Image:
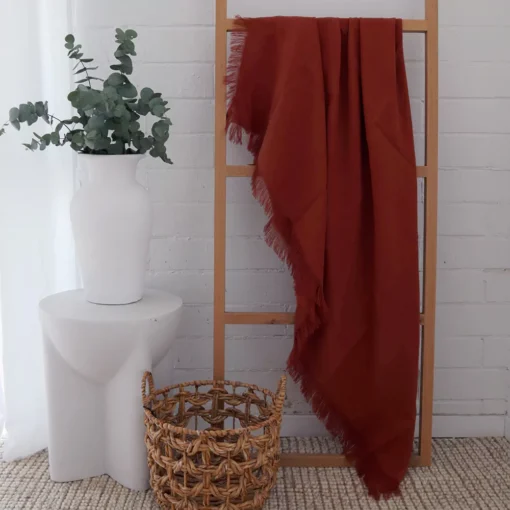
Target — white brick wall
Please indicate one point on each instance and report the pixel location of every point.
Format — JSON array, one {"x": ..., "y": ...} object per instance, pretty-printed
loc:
[{"x": 176, "y": 56}]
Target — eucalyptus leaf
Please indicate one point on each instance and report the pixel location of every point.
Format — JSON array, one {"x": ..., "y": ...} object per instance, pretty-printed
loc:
[
  {"x": 126, "y": 65},
  {"x": 159, "y": 110},
  {"x": 133, "y": 114},
  {"x": 73, "y": 96},
  {"x": 54, "y": 138},
  {"x": 85, "y": 69},
  {"x": 160, "y": 130},
  {"x": 128, "y": 47},
  {"x": 116, "y": 148},
  {"x": 40, "y": 109},
  {"x": 119, "y": 110},
  {"x": 24, "y": 112},
  {"x": 115, "y": 79},
  {"x": 13, "y": 114},
  {"x": 74, "y": 49},
  {"x": 134, "y": 126},
  {"x": 78, "y": 138},
  {"x": 127, "y": 90},
  {"x": 146, "y": 94},
  {"x": 155, "y": 101},
  {"x": 96, "y": 122},
  {"x": 110, "y": 92},
  {"x": 32, "y": 119},
  {"x": 143, "y": 109}
]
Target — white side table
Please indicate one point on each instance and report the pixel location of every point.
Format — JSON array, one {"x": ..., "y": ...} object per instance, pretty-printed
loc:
[{"x": 95, "y": 356}]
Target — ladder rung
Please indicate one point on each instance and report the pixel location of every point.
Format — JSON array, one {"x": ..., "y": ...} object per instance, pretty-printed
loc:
[
  {"x": 409, "y": 25},
  {"x": 247, "y": 171},
  {"x": 259, "y": 318},
  {"x": 267, "y": 318},
  {"x": 240, "y": 170}
]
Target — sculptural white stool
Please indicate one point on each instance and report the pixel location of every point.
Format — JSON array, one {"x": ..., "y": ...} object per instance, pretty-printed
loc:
[{"x": 95, "y": 356}]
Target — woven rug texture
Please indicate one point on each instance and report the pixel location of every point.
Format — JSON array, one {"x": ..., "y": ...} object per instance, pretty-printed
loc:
[{"x": 466, "y": 474}]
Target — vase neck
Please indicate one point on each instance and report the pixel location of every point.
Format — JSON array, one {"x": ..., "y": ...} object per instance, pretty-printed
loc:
[{"x": 110, "y": 169}]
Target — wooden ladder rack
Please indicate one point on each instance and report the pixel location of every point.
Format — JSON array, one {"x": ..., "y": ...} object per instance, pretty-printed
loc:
[{"x": 429, "y": 27}]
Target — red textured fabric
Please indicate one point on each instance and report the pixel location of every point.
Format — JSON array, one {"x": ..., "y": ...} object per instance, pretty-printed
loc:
[{"x": 326, "y": 105}]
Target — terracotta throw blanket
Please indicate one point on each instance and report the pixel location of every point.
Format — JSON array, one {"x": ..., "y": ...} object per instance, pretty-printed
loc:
[{"x": 325, "y": 103}]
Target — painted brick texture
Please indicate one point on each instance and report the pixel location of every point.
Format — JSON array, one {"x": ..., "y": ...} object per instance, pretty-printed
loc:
[{"x": 176, "y": 56}]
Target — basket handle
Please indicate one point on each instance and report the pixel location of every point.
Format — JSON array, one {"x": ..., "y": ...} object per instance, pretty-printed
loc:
[
  {"x": 147, "y": 381},
  {"x": 280, "y": 393}
]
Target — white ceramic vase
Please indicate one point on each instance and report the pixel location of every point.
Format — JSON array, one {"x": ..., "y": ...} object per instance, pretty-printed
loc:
[{"x": 111, "y": 218}]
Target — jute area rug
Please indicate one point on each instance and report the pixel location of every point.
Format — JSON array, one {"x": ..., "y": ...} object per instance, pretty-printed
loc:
[{"x": 466, "y": 474}]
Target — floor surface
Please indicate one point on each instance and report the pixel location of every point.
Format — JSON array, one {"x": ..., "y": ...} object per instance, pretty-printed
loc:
[{"x": 466, "y": 474}]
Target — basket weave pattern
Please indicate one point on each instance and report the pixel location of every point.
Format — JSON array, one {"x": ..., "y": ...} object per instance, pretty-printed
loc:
[{"x": 217, "y": 467}]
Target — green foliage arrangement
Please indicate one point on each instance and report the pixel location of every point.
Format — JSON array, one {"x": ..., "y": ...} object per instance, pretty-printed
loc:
[{"x": 106, "y": 120}]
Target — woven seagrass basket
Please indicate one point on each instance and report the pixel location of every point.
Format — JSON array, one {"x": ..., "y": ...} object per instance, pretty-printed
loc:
[{"x": 212, "y": 444}]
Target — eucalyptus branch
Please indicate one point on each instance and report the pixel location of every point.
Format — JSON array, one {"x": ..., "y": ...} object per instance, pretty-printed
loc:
[
  {"x": 74, "y": 53},
  {"x": 84, "y": 68},
  {"x": 107, "y": 118},
  {"x": 63, "y": 123}
]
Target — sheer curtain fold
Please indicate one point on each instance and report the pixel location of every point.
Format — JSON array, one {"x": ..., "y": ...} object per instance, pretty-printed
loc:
[{"x": 36, "y": 250}]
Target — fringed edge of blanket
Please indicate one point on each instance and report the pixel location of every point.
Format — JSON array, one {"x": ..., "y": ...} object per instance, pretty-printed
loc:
[
  {"x": 293, "y": 259},
  {"x": 279, "y": 242},
  {"x": 336, "y": 426},
  {"x": 237, "y": 43}
]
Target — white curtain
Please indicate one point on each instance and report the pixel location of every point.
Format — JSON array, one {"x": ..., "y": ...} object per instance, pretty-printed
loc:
[{"x": 36, "y": 250}]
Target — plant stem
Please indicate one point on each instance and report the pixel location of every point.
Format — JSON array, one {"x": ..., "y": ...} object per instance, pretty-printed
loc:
[
  {"x": 65, "y": 125},
  {"x": 87, "y": 73}
]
